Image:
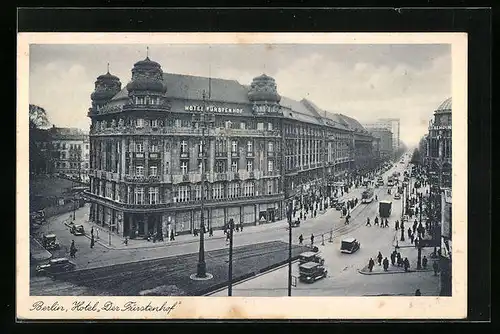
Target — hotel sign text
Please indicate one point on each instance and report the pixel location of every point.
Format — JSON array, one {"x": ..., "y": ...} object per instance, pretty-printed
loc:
[{"x": 214, "y": 109}]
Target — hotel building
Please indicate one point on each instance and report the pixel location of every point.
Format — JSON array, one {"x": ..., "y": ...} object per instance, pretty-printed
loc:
[{"x": 261, "y": 150}]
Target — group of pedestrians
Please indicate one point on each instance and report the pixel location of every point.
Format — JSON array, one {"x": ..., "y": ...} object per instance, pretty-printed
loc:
[{"x": 382, "y": 223}]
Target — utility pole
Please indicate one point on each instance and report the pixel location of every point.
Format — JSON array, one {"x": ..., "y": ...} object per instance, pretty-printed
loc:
[{"x": 230, "y": 275}]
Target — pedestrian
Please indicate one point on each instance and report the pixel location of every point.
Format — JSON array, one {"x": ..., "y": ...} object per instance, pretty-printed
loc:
[
  {"x": 237, "y": 228},
  {"x": 393, "y": 258},
  {"x": 241, "y": 226},
  {"x": 371, "y": 263},
  {"x": 315, "y": 212},
  {"x": 376, "y": 197},
  {"x": 312, "y": 239},
  {"x": 376, "y": 221},
  {"x": 301, "y": 239},
  {"x": 399, "y": 259},
  {"x": 211, "y": 232},
  {"x": 418, "y": 293},
  {"x": 368, "y": 222},
  {"x": 97, "y": 233},
  {"x": 125, "y": 241},
  {"x": 92, "y": 242},
  {"x": 406, "y": 264},
  {"x": 397, "y": 225},
  {"x": 409, "y": 233},
  {"x": 435, "y": 267},
  {"x": 72, "y": 249},
  {"x": 228, "y": 234},
  {"x": 412, "y": 236},
  {"x": 92, "y": 232},
  {"x": 386, "y": 264},
  {"x": 172, "y": 236},
  {"x": 424, "y": 262},
  {"x": 379, "y": 258}
]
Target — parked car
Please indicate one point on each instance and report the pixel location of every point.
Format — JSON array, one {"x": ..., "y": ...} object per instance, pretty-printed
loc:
[
  {"x": 349, "y": 245},
  {"x": 310, "y": 272},
  {"x": 397, "y": 195},
  {"x": 49, "y": 242},
  {"x": 55, "y": 266},
  {"x": 77, "y": 230},
  {"x": 38, "y": 217},
  {"x": 340, "y": 204}
]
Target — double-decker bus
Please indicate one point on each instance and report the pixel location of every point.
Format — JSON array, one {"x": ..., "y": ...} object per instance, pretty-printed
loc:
[{"x": 367, "y": 196}]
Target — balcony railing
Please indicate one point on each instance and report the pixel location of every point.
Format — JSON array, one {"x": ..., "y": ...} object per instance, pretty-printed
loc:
[
  {"x": 235, "y": 154},
  {"x": 142, "y": 179},
  {"x": 270, "y": 154},
  {"x": 221, "y": 155},
  {"x": 220, "y": 176},
  {"x": 185, "y": 178},
  {"x": 160, "y": 107},
  {"x": 139, "y": 155},
  {"x": 184, "y": 155},
  {"x": 250, "y": 154}
]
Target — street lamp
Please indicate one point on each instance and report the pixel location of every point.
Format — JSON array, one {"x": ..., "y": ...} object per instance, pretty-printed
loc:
[
  {"x": 204, "y": 120},
  {"x": 230, "y": 275}
]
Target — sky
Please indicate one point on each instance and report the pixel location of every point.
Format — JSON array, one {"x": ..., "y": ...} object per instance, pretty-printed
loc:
[{"x": 406, "y": 81}]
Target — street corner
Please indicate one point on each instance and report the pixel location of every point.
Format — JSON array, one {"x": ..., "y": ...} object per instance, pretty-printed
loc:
[{"x": 378, "y": 270}]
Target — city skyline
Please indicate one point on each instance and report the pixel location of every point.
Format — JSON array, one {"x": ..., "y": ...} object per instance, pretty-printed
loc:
[{"x": 421, "y": 73}]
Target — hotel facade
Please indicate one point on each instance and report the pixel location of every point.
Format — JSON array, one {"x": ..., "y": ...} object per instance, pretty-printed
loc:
[{"x": 260, "y": 151}]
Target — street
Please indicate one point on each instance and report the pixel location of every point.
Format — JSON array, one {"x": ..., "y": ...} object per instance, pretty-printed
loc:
[{"x": 343, "y": 277}]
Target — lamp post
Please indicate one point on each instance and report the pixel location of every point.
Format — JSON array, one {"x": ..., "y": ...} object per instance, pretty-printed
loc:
[
  {"x": 204, "y": 121},
  {"x": 230, "y": 275}
]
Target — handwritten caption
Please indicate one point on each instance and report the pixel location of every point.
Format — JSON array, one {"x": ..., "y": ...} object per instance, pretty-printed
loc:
[{"x": 107, "y": 306}]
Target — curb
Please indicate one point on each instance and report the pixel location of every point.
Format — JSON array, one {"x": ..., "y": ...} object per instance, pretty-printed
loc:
[{"x": 362, "y": 272}]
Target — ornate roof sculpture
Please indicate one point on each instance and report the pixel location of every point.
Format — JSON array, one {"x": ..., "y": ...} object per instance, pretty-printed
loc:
[
  {"x": 263, "y": 89},
  {"x": 106, "y": 86},
  {"x": 445, "y": 106},
  {"x": 147, "y": 75}
]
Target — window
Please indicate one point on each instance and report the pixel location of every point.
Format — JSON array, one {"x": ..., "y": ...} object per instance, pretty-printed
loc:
[
  {"x": 184, "y": 146},
  {"x": 139, "y": 147},
  {"x": 248, "y": 189},
  {"x": 243, "y": 125},
  {"x": 269, "y": 187},
  {"x": 139, "y": 123},
  {"x": 249, "y": 146},
  {"x": 183, "y": 194},
  {"x": 139, "y": 195},
  {"x": 178, "y": 123},
  {"x": 270, "y": 146},
  {"x": 154, "y": 147},
  {"x": 198, "y": 192},
  {"x": 234, "y": 146},
  {"x": 184, "y": 167},
  {"x": 218, "y": 191},
  {"x": 200, "y": 166},
  {"x": 270, "y": 165},
  {"x": 153, "y": 171},
  {"x": 200, "y": 147},
  {"x": 220, "y": 166},
  {"x": 260, "y": 126},
  {"x": 153, "y": 195},
  {"x": 249, "y": 166},
  {"x": 270, "y": 126},
  {"x": 234, "y": 166},
  {"x": 185, "y": 123},
  {"x": 139, "y": 170},
  {"x": 154, "y": 123},
  {"x": 233, "y": 190}
]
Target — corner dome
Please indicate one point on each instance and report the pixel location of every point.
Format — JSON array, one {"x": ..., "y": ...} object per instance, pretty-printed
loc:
[
  {"x": 147, "y": 75},
  {"x": 263, "y": 88},
  {"x": 106, "y": 86},
  {"x": 445, "y": 106},
  {"x": 108, "y": 77}
]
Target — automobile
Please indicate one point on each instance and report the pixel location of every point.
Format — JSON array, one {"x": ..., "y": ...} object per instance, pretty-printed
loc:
[
  {"x": 380, "y": 182},
  {"x": 55, "y": 266},
  {"x": 49, "y": 242},
  {"x": 340, "y": 204},
  {"x": 349, "y": 245},
  {"x": 77, "y": 230},
  {"x": 311, "y": 257},
  {"x": 310, "y": 272},
  {"x": 397, "y": 195},
  {"x": 38, "y": 217}
]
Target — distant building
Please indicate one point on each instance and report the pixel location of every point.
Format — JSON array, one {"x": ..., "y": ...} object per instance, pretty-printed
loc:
[
  {"x": 385, "y": 137},
  {"x": 391, "y": 124},
  {"x": 67, "y": 149}
]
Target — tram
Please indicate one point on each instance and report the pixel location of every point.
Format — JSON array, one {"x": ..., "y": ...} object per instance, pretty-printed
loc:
[{"x": 367, "y": 196}]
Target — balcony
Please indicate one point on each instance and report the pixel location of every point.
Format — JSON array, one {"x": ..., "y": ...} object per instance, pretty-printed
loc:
[
  {"x": 139, "y": 155},
  {"x": 142, "y": 179},
  {"x": 184, "y": 155},
  {"x": 154, "y": 155},
  {"x": 237, "y": 176},
  {"x": 202, "y": 155},
  {"x": 235, "y": 154},
  {"x": 250, "y": 154},
  {"x": 220, "y": 176},
  {"x": 156, "y": 107},
  {"x": 251, "y": 175},
  {"x": 270, "y": 154},
  {"x": 185, "y": 178}
]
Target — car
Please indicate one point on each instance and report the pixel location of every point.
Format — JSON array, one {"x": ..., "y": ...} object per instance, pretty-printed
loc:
[
  {"x": 49, "y": 241},
  {"x": 397, "y": 195},
  {"x": 77, "y": 230},
  {"x": 311, "y": 257},
  {"x": 349, "y": 245},
  {"x": 310, "y": 272},
  {"x": 55, "y": 266},
  {"x": 340, "y": 204}
]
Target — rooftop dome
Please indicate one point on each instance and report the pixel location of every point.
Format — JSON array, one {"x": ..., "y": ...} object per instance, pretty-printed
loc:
[
  {"x": 108, "y": 77},
  {"x": 147, "y": 75},
  {"x": 445, "y": 106},
  {"x": 263, "y": 88},
  {"x": 106, "y": 86}
]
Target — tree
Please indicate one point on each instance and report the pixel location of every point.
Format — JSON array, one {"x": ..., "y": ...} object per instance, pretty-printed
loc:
[{"x": 38, "y": 159}]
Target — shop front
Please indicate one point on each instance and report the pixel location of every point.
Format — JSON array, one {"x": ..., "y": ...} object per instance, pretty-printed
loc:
[{"x": 141, "y": 225}]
